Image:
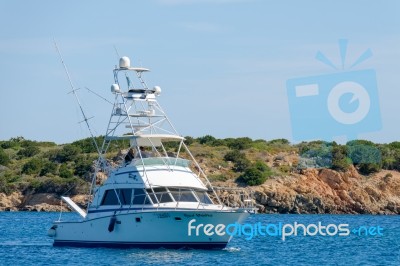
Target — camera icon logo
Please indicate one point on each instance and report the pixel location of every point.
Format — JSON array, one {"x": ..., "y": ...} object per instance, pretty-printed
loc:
[
  {"x": 358, "y": 92},
  {"x": 340, "y": 104}
]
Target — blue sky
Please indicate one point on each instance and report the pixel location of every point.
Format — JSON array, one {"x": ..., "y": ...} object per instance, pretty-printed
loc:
[{"x": 222, "y": 65}]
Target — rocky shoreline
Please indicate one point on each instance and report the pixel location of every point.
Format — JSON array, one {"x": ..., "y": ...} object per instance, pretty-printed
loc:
[
  {"x": 312, "y": 191},
  {"x": 327, "y": 191}
]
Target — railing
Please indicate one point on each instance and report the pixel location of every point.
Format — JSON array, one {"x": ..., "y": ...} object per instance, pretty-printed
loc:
[{"x": 237, "y": 197}]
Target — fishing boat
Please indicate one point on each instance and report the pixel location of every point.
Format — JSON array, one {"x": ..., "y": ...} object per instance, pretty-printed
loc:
[{"x": 153, "y": 197}]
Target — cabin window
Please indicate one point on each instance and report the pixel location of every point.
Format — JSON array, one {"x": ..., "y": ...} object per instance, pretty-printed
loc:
[
  {"x": 153, "y": 198},
  {"x": 110, "y": 198},
  {"x": 140, "y": 197},
  {"x": 183, "y": 195},
  {"x": 203, "y": 197},
  {"x": 125, "y": 195},
  {"x": 161, "y": 194}
]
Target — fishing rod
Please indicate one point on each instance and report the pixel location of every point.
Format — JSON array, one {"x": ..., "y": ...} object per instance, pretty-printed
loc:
[
  {"x": 100, "y": 160},
  {"x": 85, "y": 119}
]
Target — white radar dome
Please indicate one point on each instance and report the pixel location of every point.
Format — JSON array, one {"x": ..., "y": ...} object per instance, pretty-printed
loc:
[
  {"x": 115, "y": 88},
  {"x": 157, "y": 90},
  {"x": 124, "y": 62}
]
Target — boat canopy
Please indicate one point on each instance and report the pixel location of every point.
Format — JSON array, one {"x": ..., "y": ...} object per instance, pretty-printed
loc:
[
  {"x": 148, "y": 140},
  {"x": 166, "y": 178}
]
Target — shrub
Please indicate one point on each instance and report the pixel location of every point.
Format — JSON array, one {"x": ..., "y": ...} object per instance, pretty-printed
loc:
[
  {"x": 171, "y": 145},
  {"x": 189, "y": 140},
  {"x": 256, "y": 174},
  {"x": 390, "y": 157},
  {"x": 279, "y": 141},
  {"x": 340, "y": 162},
  {"x": 261, "y": 166},
  {"x": 275, "y": 145},
  {"x": 285, "y": 168},
  {"x": 206, "y": 140},
  {"x": 369, "y": 168},
  {"x": 68, "y": 153},
  {"x": 57, "y": 185},
  {"x": 82, "y": 166},
  {"x": 32, "y": 167},
  {"x": 4, "y": 186},
  {"x": 240, "y": 143},
  {"x": 49, "y": 168},
  {"x": 315, "y": 154},
  {"x": 4, "y": 159},
  {"x": 87, "y": 146},
  {"x": 27, "y": 143},
  {"x": 365, "y": 155},
  {"x": 234, "y": 156},
  {"x": 239, "y": 160},
  {"x": 394, "y": 145},
  {"x": 218, "y": 177},
  {"x": 9, "y": 144},
  {"x": 28, "y": 151},
  {"x": 241, "y": 165},
  {"x": 253, "y": 176},
  {"x": 65, "y": 172}
]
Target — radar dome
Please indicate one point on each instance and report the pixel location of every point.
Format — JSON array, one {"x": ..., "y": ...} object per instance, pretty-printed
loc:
[
  {"x": 124, "y": 62},
  {"x": 157, "y": 90},
  {"x": 115, "y": 88}
]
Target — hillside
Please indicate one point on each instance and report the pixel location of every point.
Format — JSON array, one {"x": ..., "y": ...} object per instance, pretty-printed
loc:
[{"x": 310, "y": 177}]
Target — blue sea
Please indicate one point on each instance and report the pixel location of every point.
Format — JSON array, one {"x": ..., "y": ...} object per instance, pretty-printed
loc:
[{"x": 373, "y": 240}]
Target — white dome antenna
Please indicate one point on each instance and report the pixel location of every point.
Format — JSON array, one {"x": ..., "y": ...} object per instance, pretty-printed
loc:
[
  {"x": 124, "y": 62},
  {"x": 115, "y": 88},
  {"x": 157, "y": 90}
]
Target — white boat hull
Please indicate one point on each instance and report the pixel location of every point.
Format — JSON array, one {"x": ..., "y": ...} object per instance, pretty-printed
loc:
[{"x": 167, "y": 229}]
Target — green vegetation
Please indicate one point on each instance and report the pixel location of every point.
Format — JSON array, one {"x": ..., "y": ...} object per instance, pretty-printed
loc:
[
  {"x": 31, "y": 166},
  {"x": 256, "y": 174},
  {"x": 340, "y": 159},
  {"x": 4, "y": 160}
]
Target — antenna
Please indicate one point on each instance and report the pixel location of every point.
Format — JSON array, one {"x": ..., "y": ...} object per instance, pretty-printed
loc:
[
  {"x": 98, "y": 95},
  {"x": 77, "y": 99},
  {"x": 116, "y": 51},
  {"x": 126, "y": 75}
]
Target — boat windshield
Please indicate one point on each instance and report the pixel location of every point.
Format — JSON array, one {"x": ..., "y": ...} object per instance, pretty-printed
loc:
[
  {"x": 161, "y": 161},
  {"x": 163, "y": 194},
  {"x": 183, "y": 195},
  {"x": 139, "y": 196}
]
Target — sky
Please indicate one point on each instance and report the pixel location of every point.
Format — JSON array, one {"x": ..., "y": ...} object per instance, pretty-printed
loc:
[{"x": 223, "y": 65}]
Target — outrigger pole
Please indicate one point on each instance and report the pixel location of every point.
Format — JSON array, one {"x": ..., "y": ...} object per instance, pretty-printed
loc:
[
  {"x": 77, "y": 99},
  {"x": 100, "y": 159}
]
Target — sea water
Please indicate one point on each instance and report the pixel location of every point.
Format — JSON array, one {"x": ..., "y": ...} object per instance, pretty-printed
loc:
[{"x": 371, "y": 240}]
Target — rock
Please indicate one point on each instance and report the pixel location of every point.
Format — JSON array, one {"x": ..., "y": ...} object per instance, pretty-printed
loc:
[
  {"x": 329, "y": 191},
  {"x": 39, "y": 198},
  {"x": 11, "y": 201},
  {"x": 80, "y": 200},
  {"x": 100, "y": 178}
]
